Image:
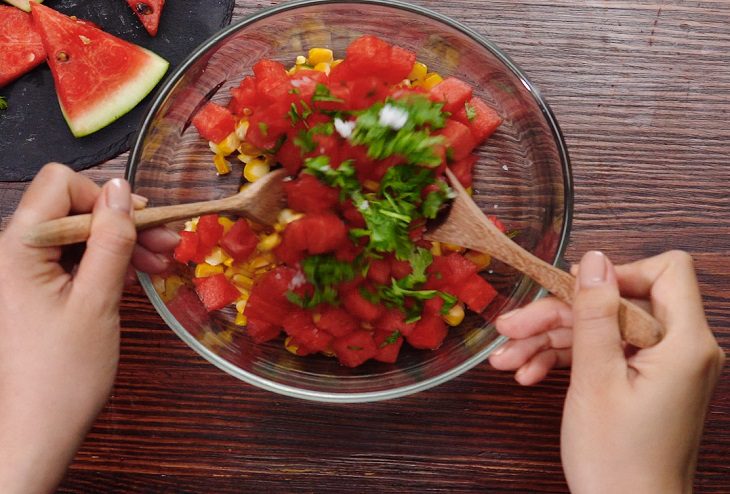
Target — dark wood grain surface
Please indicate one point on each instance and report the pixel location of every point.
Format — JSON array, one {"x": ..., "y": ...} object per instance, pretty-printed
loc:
[{"x": 642, "y": 92}]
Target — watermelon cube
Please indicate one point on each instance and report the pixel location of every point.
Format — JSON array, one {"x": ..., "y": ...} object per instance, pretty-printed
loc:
[
  {"x": 389, "y": 344},
  {"x": 262, "y": 331},
  {"x": 215, "y": 291},
  {"x": 336, "y": 321},
  {"x": 484, "y": 121},
  {"x": 214, "y": 122},
  {"x": 379, "y": 271},
  {"x": 464, "y": 170},
  {"x": 240, "y": 241},
  {"x": 453, "y": 93},
  {"x": 476, "y": 293},
  {"x": 188, "y": 310},
  {"x": 394, "y": 320},
  {"x": 449, "y": 271},
  {"x": 459, "y": 139},
  {"x": 299, "y": 324},
  {"x": 309, "y": 195},
  {"x": 355, "y": 348},
  {"x": 187, "y": 249},
  {"x": 325, "y": 232},
  {"x": 429, "y": 333},
  {"x": 361, "y": 307}
]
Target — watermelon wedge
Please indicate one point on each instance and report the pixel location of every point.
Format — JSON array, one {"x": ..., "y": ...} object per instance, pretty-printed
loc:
[
  {"x": 21, "y": 48},
  {"x": 22, "y": 4},
  {"x": 98, "y": 77},
  {"x": 149, "y": 12}
]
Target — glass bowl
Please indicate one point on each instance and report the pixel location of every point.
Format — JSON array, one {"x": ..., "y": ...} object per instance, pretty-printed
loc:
[{"x": 522, "y": 176}]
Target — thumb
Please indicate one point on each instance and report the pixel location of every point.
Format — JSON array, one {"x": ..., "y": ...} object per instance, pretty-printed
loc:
[
  {"x": 102, "y": 269},
  {"x": 597, "y": 350}
]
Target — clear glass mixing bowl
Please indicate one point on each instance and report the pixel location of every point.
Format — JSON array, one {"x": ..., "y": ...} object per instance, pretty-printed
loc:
[{"x": 523, "y": 176}]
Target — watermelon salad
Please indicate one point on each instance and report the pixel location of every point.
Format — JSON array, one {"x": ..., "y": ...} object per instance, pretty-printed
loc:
[
  {"x": 346, "y": 271},
  {"x": 98, "y": 77}
]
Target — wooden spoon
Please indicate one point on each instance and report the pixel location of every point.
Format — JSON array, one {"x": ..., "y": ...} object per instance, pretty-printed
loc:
[
  {"x": 261, "y": 202},
  {"x": 468, "y": 227}
]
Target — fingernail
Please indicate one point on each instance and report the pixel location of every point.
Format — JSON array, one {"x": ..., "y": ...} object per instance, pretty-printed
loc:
[
  {"x": 520, "y": 374},
  {"x": 163, "y": 259},
  {"x": 171, "y": 234},
  {"x": 138, "y": 201},
  {"x": 118, "y": 195},
  {"x": 499, "y": 351},
  {"x": 592, "y": 270},
  {"x": 509, "y": 314}
]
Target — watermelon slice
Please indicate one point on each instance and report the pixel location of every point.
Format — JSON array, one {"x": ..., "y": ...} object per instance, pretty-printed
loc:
[
  {"x": 149, "y": 12},
  {"x": 21, "y": 48},
  {"x": 22, "y": 4},
  {"x": 98, "y": 77}
]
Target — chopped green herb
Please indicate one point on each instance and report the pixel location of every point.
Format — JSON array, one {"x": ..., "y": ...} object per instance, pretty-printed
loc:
[
  {"x": 323, "y": 272},
  {"x": 294, "y": 91},
  {"x": 264, "y": 128},
  {"x": 354, "y": 348},
  {"x": 392, "y": 338},
  {"x": 304, "y": 142},
  {"x": 325, "y": 128},
  {"x": 294, "y": 115},
  {"x": 449, "y": 302},
  {"x": 471, "y": 112},
  {"x": 3, "y": 103},
  {"x": 435, "y": 199},
  {"x": 322, "y": 93}
]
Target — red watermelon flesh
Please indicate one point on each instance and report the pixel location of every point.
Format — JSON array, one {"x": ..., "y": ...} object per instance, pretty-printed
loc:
[
  {"x": 149, "y": 12},
  {"x": 98, "y": 77},
  {"x": 21, "y": 48}
]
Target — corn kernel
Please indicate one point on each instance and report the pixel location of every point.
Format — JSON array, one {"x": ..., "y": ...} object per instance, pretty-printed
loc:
[
  {"x": 300, "y": 60},
  {"x": 455, "y": 315},
  {"x": 204, "y": 270},
  {"x": 222, "y": 167},
  {"x": 227, "y": 145},
  {"x": 452, "y": 247},
  {"x": 290, "y": 347},
  {"x": 240, "y": 320},
  {"x": 436, "y": 248},
  {"x": 247, "y": 148},
  {"x": 320, "y": 55},
  {"x": 335, "y": 63},
  {"x": 316, "y": 317},
  {"x": 226, "y": 222},
  {"x": 172, "y": 284},
  {"x": 246, "y": 158},
  {"x": 371, "y": 185},
  {"x": 241, "y": 130},
  {"x": 242, "y": 281},
  {"x": 217, "y": 256},
  {"x": 479, "y": 258},
  {"x": 255, "y": 169},
  {"x": 431, "y": 80},
  {"x": 269, "y": 242},
  {"x": 259, "y": 262},
  {"x": 159, "y": 283},
  {"x": 241, "y": 304},
  {"x": 192, "y": 224},
  {"x": 287, "y": 216},
  {"x": 418, "y": 72},
  {"x": 229, "y": 262},
  {"x": 323, "y": 67}
]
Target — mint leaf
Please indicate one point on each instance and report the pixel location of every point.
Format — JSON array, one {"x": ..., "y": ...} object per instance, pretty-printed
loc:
[
  {"x": 3, "y": 103},
  {"x": 322, "y": 93},
  {"x": 471, "y": 112},
  {"x": 392, "y": 338}
]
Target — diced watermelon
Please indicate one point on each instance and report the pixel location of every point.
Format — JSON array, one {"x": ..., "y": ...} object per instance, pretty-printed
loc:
[
  {"x": 476, "y": 293},
  {"x": 240, "y": 241},
  {"x": 148, "y": 12},
  {"x": 400, "y": 269},
  {"x": 453, "y": 93},
  {"x": 353, "y": 216},
  {"x": 215, "y": 291},
  {"x": 267, "y": 301},
  {"x": 355, "y": 348},
  {"x": 336, "y": 321},
  {"x": 388, "y": 344},
  {"x": 187, "y": 248},
  {"x": 432, "y": 306},
  {"x": 369, "y": 55},
  {"x": 464, "y": 170},
  {"x": 293, "y": 242},
  {"x": 365, "y": 91},
  {"x": 244, "y": 96},
  {"x": 401, "y": 64},
  {"x": 305, "y": 81},
  {"x": 21, "y": 48},
  {"x": 290, "y": 156},
  {"x": 459, "y": 139},
  {"x": 348, "y": 252},
  {"x": 214, "y": 122},
  {"x": 267, "y": 126},
  {"x": 485, "y": 121},
  {"x": 394, "y": 319},
  {"x": 379, "y": 271},
  {"x": 262, "y": 331},
  {"x": 360, "y": 307},
  {"x": 325, "y": 232},
  {"x": 449, "y": 271},
  {"x": 188, "y": 310},
  {"x": 298, "y": 324},
  {"x": 497, "y": 222},
  {"x": 340, "y": 99},
  {"x": 209, "y": 231},
  {"x": 429, "y": 333},
  {"x": 309, "y": 195}
]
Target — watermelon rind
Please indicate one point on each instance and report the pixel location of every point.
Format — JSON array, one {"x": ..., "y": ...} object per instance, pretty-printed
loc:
[
  {"x": 22, "y": 4},
  {"x": 122, "y": 100}
]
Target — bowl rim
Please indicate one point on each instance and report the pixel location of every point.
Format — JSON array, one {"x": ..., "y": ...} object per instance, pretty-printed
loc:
[{"x": 371, "y": 396}]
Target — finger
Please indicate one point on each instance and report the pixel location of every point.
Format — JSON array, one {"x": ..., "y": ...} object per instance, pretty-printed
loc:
[
  {"x": 538, "y": 317},
  {"x": 149, "y": 262},
  {"x": 516, "y": 353},
  {"x": 109, "y": 248},
  {"x": 538, "y": 367},
  {"x": 597, "y": 350},
  {"x": 160, "y": 239},
  {"x": 55, "y": 191},
  {"x": 130, "y": 279}
]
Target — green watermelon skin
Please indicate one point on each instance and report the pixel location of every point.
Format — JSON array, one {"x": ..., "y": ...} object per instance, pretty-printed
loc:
[
  {"x": 98, "y": 77},
  {"x": 22, "y": 4}
]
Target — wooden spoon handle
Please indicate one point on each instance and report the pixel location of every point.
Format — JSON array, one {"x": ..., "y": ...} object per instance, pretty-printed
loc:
[{"x": 75, "y": 229}]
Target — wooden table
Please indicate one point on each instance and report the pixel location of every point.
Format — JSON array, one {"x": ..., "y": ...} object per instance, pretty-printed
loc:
[{"x": 642, "y": 92}]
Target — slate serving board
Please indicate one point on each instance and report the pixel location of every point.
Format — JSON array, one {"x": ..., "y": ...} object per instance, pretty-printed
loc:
[{"x": 32, "y": 129}]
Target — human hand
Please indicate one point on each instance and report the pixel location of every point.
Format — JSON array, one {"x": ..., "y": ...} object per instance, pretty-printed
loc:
[
  {"x": 633, "y": 419},
  {"x": 59, "y": 325}
]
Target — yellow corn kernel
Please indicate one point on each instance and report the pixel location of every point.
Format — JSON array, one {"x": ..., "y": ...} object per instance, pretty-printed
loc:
[
  {"x": 255, "y": 169},
  {"x": 320, "y": 55},
  {"x": 323, "y": 67},
  {"x": 431, "y": 80},
  {"x": 204, "y": 269},
  {"x": 241, "y": 303},
  {"x": 192, "y": 224},
  {"x": 455, "y": 315},
  {"x": 241, "y": 130},
  {"x": 418, "y": 72},
  {"x": 159, "y": 283},
  {"x": 172, "y": 284},
  {"x": 481, "y": 259},
  {"x": 269, "y": 242},
  {"x": 290, "y": 347},
  {"x": 452, "y": 247},
  {"x": 300, "y": 60},
  {"x": 371, "y": 185},
  {"x": 335, "y": 63},
  {"x": 316, "y": 317},
  {"x": 242, "y": 281},
  {"x": 229, "y": 262},
  {"x": 246, "y": 158},
  {"x": 329, "y": 352},
  {"x": 227, "y": 145},
  {"x": 217, "y": 256},
  {"x": 436, "y": 248},
  {"x": 222, "y": 167},
  {"x": 226, "y": 222},
  {"x": 259, "y": 262},
  {"x": 287, "y": 216},
  {"x": 247, "y": 148},
  {"x": 240, "y": 320}
]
